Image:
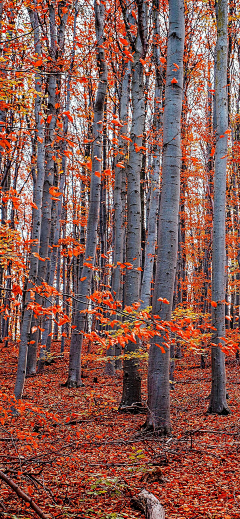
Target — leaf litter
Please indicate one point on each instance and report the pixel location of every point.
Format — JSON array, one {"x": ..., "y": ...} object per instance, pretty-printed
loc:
[{"x": 77, "y": 457}]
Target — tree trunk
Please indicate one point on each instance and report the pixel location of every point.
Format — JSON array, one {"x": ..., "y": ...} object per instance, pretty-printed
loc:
[
  {"x": 55, "y": 257},
  {"x": 151, "y": 235},
  {"x": 158, "y": 417},
  {"x": 74, "y": 376},
  {"x": 36, "y": 219},
  {"x": 218, "y": 403},
  {"x": 119, "y": 206},
  {"x": 131, "y": 377},
  {"x": 51, "y": 168}
]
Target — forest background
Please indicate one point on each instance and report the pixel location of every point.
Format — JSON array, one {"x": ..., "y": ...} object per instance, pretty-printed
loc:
[{"x": 116, "y": 121}]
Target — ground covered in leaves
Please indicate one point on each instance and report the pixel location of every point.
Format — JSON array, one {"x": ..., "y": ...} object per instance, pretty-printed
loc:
[{"x": 78, "y": 458}]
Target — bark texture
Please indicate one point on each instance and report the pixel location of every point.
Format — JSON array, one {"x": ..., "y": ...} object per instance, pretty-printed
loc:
[
  {"x": 218, "y": 403},
  {"x": 38, "y": 180},
  {"x": 151, "y": 235},
  {"x": 22, "y": 495},
  {"x": 150, "y": 505},
  {"x": 74, "y": 375},
  {"x": 131, "y": 377},
  {"x": 158, "y": 417},
  {"x": 119, "y": 202}
]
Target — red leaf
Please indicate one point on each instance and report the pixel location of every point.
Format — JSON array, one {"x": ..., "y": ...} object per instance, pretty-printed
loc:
[{"x": 123, "y": 41}]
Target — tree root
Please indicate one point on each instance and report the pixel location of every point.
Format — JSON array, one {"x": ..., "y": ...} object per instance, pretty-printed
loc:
[{"x": 135, "y": 408}]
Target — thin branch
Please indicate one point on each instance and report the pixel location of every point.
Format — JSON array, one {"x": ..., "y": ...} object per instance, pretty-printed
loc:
[{"x": 22, "y": 494}]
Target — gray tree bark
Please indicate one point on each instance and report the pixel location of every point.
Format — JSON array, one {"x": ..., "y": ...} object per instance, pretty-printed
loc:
[
  {"x": 38, "y": 180},
  {"x": 119, "y": 205},
  {"x": 151, "y": 235},
  {"x": 218, "y": 403},
  {"x": 46, "y": 339},
  {"x": 158, "y": 417},
  {"x": 57, "y": 47},
  {"x": 131, "y": 394},
  {"x": 150, "y": 505},
  {"x": 74, "y": 375}
]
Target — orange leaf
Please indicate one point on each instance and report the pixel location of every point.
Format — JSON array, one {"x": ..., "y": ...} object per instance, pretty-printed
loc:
[
  {"x": 164, "y": 300},
  {"x": 33, "y": 329},
  {"x": 16, "y": 289},
  {"x": 174, "y": 80},
  {"x": 38, "y": 63},
  {"x": 98, "y": 174},
  {"x": 82, "y": 279},
  {"x": 54, "y": 191},
  {"x": 123, "y": 41},
  {"x": 49, "y": 118},
  {"x": 70, "y": 118},
  {"x": 33, "y": 205},
  {"x": 126, "y": 138},
  {"x": 214, "y": 304}
]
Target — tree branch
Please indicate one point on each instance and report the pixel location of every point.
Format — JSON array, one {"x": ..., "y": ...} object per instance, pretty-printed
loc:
[{"x": 22, "y": 494}]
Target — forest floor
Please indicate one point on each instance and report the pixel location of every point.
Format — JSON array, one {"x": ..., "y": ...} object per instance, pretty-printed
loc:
[{"x": 78, "y": 458}]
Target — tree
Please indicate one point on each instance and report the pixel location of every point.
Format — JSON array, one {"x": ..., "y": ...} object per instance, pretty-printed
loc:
[
  {"x": 38, "y": 172},
  {"x": 131, "y": 378},
  {"x": 151, "y": 234},
  {"x": 74, "y": 376},
  {"x": 218, "y": 403},
  {"x": 158, "y": 417}
]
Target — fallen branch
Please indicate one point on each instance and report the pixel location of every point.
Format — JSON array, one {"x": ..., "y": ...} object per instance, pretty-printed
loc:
[
  {"x": 22, "y": 494},
  {"x": 149, "y": 504}
]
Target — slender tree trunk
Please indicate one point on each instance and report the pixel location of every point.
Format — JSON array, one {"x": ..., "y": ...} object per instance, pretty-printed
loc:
[
  {"x": 151, "y": 235},
  {"x": 158, "y": 417},
  {"x": 119, "y": 206},
  {"x": 74, "y": 376},
  {"x": 51, "y": 169},
  {"x": 46, "y": 337},
  {"x": 36, "y": 220},
  {"x": 131, "y": 377},
  {"x": 218, "y": 403}
]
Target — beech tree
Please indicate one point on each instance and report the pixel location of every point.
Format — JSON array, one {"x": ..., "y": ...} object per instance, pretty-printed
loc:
[
  {"x": 38, "y": 172},
  {"x": 151, "y": 234},
  {"x": 218, "y": 403},
  {"x": 131, "y": 377},
  {"x": 83, "y": 161},
  {"x": 74, "y": 377},
  {"x": 158, "y": 417}
]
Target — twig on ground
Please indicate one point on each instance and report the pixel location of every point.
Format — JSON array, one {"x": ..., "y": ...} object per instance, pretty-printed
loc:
[{"x": 22, "y": 494}]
